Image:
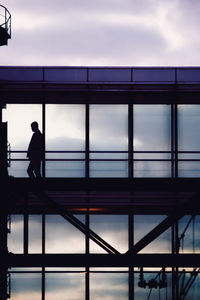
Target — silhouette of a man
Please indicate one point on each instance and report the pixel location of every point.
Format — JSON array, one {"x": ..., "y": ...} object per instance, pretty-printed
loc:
[{"x": 35, "y": 152}]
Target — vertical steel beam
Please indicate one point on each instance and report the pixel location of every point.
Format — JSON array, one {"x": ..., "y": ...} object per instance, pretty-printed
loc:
[
  {"x": 43, "y": 252},
  {"x": 176, "y": 139},
  {"x": 3, "y": 241},
  {"x": 130, "y": 140},
  {"x": 87, "y": 250},
  {"x": 3, "y": 251},
  {"x": 3, "y": 208},
  {"x": 131, "y": 241},
  {"x": 26, "y": 225},
  {"x": 87, "y": 155},
  {"x": 44, "y": 126},
  {"x": 172, "y": 141}
]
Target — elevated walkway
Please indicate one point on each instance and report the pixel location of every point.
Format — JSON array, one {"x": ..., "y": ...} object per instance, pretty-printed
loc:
[{"x": 110, "y": 195}]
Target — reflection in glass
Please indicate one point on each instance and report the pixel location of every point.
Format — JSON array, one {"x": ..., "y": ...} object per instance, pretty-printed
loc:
[
  {"x": 15, "y": 237},
  {"x": 35, "y": 234},
  {"x": 188, "y": 127},
  {"x": 65, "y": 127},
  {"x": 152, "y": 127},
  {"x": 108, "y": 132},
  {"x": 108, "y": 169},
  {"x": 65, "y": 169},
  {"x": 188, "y": 139},
  {"x": 65, "y": 131},
  {"x": 62, "y": 237},
  {"x": 19, "y": 118},
  {"x": 113, "y": 229},
  {"x": 108, "y": 286},
  {"x": 143, "y": 224},
  {"x": 152, "y": 132},
  {"x": 152, "y": 169},
  {"x": 65, "y": 286},
  {"x": 25, "y": 286},
  {"x": 193, "y": 291},
  {"x": 189, "y": 234}
]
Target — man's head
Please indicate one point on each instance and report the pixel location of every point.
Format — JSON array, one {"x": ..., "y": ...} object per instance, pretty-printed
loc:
[{"x": 34, "y": 126}]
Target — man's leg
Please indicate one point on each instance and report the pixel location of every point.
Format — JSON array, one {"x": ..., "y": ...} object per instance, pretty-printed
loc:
[
  {"x": 30, "y": 170},
  {"x": 37, "y": 168}
]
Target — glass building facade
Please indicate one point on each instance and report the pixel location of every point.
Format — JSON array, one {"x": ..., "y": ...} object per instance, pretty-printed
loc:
[
  {"x": 117, "y": 214},
  {"x": 159, "y": 142}
]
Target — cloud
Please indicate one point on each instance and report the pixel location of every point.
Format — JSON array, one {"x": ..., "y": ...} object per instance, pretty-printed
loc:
[{"x": 107, "y": 32}]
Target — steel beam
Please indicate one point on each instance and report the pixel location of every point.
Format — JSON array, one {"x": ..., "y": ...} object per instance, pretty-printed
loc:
[{"x": 103, "y": 260}]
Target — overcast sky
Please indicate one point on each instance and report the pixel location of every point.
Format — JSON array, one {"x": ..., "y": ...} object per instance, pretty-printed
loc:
[{"x": 103, "y": 33}]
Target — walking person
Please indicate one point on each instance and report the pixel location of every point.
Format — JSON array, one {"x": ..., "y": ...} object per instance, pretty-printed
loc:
[{"x": 35, "y": 152}]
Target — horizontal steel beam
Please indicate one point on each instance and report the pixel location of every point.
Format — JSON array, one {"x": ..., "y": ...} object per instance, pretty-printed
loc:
[
  {"x": 113, "y": 184},
  {"x": 103, "y": 260}
]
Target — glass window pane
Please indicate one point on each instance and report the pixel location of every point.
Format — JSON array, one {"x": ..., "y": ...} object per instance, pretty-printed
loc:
[
  {"x": 108, "y": 132},
  {"x": 65, "y": 286},
  {"x": 152, "y": 130},
  {"x": 25, "y": 286},
  {"x": 109, "y": 127},
  {"x": 15, "y": 237},
  {"x": 65, "y": 127},
  {"x": 65, "y": 131},
  {"x": 188, "y": 127},
  {"x": 65, "y": 169},
  {"x": 108, "y": 169},
  {"x": 113, "y": 229},
  {"x": 109, "y": 286},
  {"x": 152, "y": 127},
  {"x": 62, "y": 237},
  {"x": 193, "y": 291},
  {"x": 19, "y": 118},
  {"x": 189, "y": 234},
  {"x": 35, "y": 234},
  {"x": 188, "y": 139},
  {"x": 143, "y": 224},
  {"x": 152, "y": 169},
  {"x": 189, "y": 169}
]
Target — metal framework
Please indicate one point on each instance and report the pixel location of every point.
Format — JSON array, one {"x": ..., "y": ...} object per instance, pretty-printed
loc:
[
  {"x": 5, "y": 25},
  {"x": 176, "y": 197}
]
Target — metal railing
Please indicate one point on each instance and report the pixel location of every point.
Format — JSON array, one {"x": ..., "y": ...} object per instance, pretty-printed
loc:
[
  {"x": 172, "y": 157},
  {"x": 5, "y": 19}
]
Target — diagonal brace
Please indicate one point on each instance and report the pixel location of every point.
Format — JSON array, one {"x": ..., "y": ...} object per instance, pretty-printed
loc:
[
  {"x": 77, "y": 223},
  {"x": 164, "y": 225}
]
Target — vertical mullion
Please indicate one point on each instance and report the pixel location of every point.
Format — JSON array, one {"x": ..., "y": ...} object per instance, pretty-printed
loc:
[
  {"x": 176, "y": 139},
  {"x": 172, "y": 140},
  {"x": 43, "y": 252},
  {"x": 44, "y": 127},
  {"x": 44, "y": 134},
  {"x": 87, "y": 250},
  {"x": 87, "y": 172},
  {"x": 131, "y": 241},
  {"x": 26, "y": 224},
  {"x": 130, "y": 140}
]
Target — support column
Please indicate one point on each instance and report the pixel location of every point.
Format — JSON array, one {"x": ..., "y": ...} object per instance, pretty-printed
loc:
[
  {"x": 3, "y": 208},
  {"x": 3, "y": 251}
]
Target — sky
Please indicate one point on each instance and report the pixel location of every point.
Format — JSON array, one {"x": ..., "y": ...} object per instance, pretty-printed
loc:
[{"x": 103, "y": 33}]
